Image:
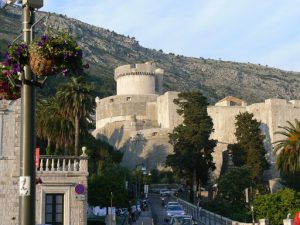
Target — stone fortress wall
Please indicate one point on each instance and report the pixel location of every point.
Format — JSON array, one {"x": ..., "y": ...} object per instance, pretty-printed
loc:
[
  {"x": 138, "y": 124},
  {"x": 139, "y": 79}
]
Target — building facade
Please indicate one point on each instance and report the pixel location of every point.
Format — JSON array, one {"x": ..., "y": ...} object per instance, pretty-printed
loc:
[
  {"x": 56, "y": 177},
  {"x": 138, "y": 119}
]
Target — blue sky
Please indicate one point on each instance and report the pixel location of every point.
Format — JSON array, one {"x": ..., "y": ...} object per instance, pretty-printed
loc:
[{"x": 256, "y": 31}]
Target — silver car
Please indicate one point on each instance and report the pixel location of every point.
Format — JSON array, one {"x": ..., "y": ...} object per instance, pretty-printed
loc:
[
  {"x": 173, "y": 210},
  {"x": 181, "y": 220}
]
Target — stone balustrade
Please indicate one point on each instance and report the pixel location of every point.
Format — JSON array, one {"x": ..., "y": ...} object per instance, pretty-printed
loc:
[{"x": 60, "y": 164}]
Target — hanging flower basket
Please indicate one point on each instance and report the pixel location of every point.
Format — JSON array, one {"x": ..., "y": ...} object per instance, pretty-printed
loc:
[
  {"x": 54, "y": 54},
  {"x": 40, "y": 65},
  {"x": 7, "y": 91}
]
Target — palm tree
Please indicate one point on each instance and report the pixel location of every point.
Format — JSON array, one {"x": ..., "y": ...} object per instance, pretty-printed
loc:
[
  {"x": 53, "y": 125},
  {"x": 288, "y": 149},
  {"x": 77, "y": 98}
]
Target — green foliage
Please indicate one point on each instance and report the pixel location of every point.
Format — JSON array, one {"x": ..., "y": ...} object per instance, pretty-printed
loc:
[
  {"x": 76, "y": 97},
  {"x": 275, "y": 207},
  {"x": 17, "y": 54},
  {"x": 250, "y": 149},
  {"x": 288, "y": 159},
  {"x": 62, "y": 49},
  {"x": 240, "y": 213},
  {"x": 192, "y": 147},
  {"x": 101, "y": 154},
  {"x": 7, "y": 90},
  {"x": 231, "y": 186},
  {"x": 291, "y": 180},
  {"x": 111, "y": 181}
]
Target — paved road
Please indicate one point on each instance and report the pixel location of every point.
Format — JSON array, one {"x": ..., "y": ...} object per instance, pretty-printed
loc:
[{"x": 158, "y": 211}]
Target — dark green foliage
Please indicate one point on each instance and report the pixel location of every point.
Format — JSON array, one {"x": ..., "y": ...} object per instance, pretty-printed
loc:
[
  {"x": 234, "y": 212},
  {"x": 192, "y": 147},
  {"x": 155, "y": 176},
  {"x": 111, "y": 181},
  {"x": 250, "y": 149},
  {"x": 231, "y": 186},
  {"x": 238, "y": 155},
  {"x": 288, "y": 159},
  {"x": 275, "y": 207},
  {"x": 100, "y": 153},
  {"x": 291, "y": 180}
]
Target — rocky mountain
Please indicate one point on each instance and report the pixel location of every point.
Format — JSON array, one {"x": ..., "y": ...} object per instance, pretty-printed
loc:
[{"x": 104, "y": 50}]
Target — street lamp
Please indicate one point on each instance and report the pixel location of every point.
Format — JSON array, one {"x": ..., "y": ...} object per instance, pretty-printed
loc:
[{"x": 27, "y": 164}]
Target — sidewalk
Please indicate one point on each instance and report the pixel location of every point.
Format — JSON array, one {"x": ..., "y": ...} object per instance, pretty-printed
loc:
[{"x": 145, "y": 218}]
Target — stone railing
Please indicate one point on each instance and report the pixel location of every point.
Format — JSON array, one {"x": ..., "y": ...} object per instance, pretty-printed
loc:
[{"x": 61, "y": 164}]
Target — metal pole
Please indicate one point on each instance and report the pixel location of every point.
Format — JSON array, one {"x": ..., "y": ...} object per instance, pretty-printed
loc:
[
  {"x": 111, "y": 215},
  {"x": 27, "y": 166}
]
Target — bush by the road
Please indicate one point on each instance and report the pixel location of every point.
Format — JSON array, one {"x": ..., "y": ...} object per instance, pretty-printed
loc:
[{"x": 277, "y": 206}]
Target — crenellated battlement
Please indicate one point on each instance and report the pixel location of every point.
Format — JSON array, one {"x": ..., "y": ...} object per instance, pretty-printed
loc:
[
  {"x": 139, "y": 79},
  {"x": 148, "y": 68}
]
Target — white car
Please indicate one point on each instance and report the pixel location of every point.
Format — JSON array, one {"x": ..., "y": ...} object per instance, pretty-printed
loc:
[
  {"x": 173, "y": 210},
  {"x": 181, "y": 220},
  {"x": 172, "y": 203},
  {"x": 164, "y": 192}
]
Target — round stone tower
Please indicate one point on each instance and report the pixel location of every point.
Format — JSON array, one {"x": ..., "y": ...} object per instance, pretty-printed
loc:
[{"x": 139, "y": 79}]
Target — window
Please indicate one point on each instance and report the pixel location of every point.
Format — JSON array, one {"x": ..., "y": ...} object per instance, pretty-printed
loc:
[{"x": 54, "y": 210}]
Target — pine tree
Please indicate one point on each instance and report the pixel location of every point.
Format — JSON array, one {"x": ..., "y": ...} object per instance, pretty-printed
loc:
[
  {"x": 249, "y": 149},
  {"x": 192, "y": 147}
]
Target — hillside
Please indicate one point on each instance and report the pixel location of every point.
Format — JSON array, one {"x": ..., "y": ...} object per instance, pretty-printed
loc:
[{"x": 104, "y": 50}]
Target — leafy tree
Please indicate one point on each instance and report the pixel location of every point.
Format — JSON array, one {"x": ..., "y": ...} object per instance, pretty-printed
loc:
[
  {"x": 53, "y": 125},
  {"x": 288, "y": 149},
  {"x": 275, "y": 207},
  {"x": 291, "y": 180},
  {"x": 101, "y": 154},
  {"x": 231, "y": 186},
  {"x": 192, "y": 147},
  {"x": 111, "y": 181},
  {"x": 77, "y": 97},
  {"x": 249, "y": 149}
]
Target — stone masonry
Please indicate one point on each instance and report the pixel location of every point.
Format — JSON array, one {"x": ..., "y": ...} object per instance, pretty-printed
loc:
[
  {"x": 138, "y": 123},
  {"x": 58, "y": 175}
]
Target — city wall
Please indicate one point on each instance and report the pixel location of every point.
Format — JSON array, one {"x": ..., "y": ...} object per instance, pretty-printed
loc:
[{"x": 163, "y": 117}]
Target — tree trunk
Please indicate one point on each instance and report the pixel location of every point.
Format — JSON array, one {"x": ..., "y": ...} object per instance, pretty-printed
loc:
[
  {"x": 49, "y": 142},
  {"x": 192, "y": 188},
  {"x": 66, "y": 148},
  {"x": 76, "y": 135}
]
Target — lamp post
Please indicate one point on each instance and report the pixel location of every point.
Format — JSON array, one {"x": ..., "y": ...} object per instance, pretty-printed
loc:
[
  {"x": 27, "y": 154},
  {"x": 27, "y": 164}
]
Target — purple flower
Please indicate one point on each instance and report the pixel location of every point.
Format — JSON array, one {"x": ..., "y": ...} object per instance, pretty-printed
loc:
[
  {"x": 23, "y": 46},
  {"x": 79, "y": 53},
  {"x": 45, "y": 38},
  {"x": 65, "y": 72},
  {"x": 40, "y": 43},
  {"x": 16, "y": 68},
  {"x": 7, "y": 58},
  {"x": 66, "y": 55}
]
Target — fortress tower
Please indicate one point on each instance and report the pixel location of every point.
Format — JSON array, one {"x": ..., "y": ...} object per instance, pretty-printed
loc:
[{"x": 139, "y": 79}]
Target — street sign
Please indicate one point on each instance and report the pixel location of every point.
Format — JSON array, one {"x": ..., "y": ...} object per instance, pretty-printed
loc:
[
  {"x": 79, "y": 189},
  {"x": 80, "y": 197},
  {"x": 146, "y": 188}
]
